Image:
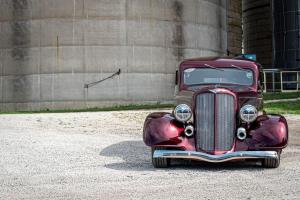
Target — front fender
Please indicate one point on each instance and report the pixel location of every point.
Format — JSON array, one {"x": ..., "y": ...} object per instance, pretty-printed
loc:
[
  {"x": 267, "y": 132},
  {"x": 162, "y": 129}
]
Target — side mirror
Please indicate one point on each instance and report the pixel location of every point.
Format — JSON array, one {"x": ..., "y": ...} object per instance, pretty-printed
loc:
[{"x": 176, "y": 77}]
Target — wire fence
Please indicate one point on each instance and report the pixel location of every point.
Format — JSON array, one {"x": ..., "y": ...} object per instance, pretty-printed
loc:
[{"x": 275, "y": 80}]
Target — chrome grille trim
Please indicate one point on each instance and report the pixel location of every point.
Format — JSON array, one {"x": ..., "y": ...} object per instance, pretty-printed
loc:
[
  {"x": 225, "y": 122},
  {"x": 215, "y": 121},
  {"x": 205, "y": 121}
]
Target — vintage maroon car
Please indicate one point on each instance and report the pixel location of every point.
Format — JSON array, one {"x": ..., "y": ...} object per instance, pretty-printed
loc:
[{"x": 219, "y": 116}]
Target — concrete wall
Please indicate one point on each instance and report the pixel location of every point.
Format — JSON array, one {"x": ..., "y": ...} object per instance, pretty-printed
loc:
[
  {"x": 257, "y": 25},
  {"x": 235, "y": 31},
  {"x": 50, "y": 48}
]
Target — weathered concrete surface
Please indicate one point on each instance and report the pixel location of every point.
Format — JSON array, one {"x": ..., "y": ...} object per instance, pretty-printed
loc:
[
  {"x": 50, "y": 49},
  {"x": 102, "y": 156},
  {"x": 234, "y": 25}
]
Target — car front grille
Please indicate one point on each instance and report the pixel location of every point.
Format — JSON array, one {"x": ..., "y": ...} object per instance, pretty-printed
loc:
[{"x": 215, "y": 121}]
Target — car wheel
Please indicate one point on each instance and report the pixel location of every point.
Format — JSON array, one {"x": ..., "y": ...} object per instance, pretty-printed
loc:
[
  {"x": 160, "y": 162},
  {"x": 272, "y": 162}
]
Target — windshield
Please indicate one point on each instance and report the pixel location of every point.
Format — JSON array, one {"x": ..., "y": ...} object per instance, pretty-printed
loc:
[{"x": 198, "y": 76}]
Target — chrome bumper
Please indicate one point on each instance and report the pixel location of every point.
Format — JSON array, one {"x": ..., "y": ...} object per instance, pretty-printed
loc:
[{"x": 200, "y": 156}]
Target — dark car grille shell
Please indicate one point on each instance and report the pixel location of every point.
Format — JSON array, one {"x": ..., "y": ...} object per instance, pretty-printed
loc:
[{"x": 215, "y": 121}]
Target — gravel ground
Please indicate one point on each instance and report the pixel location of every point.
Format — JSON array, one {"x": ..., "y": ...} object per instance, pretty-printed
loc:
[{"x": 102, "y": 156}]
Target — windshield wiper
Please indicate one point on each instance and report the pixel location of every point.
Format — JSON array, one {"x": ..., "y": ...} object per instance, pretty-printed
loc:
[
  {"x": 237, "y": 67},
  {"x": 212, "y": 67}
]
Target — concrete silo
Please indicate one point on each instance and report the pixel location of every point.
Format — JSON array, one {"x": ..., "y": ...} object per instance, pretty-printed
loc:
[
  {"x": 234, "y": 27},
  {"x": 49, "y": 49}
]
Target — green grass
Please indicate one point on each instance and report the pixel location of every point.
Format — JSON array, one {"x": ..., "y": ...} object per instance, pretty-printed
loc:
[
  {"x": 287, "y": 107},
  {"x": 276, "y": 108},
  {"x": 281, "y": 95},
  {"x": 291, "y": 107},
  {"x": 114, "y": 108}
]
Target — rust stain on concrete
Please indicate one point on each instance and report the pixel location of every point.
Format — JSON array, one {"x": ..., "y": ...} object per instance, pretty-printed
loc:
[{"x": 178, "y": 39}]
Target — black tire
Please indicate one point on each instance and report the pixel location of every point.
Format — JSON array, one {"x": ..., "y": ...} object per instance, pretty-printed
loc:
[
  {"x": 160, "y": 162},
  {"x": 272, "y": 162}
]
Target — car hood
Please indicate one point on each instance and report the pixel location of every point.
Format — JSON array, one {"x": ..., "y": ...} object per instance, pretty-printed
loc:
[{"x": 244, "y": 95}]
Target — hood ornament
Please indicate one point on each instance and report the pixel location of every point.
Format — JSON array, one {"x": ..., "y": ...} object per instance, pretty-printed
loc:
[{"x": 214, "y": 91}]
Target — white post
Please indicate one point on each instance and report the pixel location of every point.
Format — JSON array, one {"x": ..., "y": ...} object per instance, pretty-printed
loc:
[
  {"x": 281, "y": 81},
  {"x": 298, "y": 81},
  {"x": 265, "y": 82}
]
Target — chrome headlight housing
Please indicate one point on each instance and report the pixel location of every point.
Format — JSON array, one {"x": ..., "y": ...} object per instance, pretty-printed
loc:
[
  {"x": 183, "y": 112},
  {"x": 248, "y": 113}
]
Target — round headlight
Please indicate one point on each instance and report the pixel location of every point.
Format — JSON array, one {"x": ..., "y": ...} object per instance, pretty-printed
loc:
[
  {"x": 183, "y": 112},
  {"x": 248, "y": 113}
]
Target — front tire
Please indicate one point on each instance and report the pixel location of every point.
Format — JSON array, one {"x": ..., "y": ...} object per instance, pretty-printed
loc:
[
  {"x": 272, "y": 162},
  {"x": 160, "y": 162}
]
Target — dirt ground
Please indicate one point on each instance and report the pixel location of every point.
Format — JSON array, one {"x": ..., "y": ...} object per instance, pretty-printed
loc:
[{"x": 102, "y": 156}]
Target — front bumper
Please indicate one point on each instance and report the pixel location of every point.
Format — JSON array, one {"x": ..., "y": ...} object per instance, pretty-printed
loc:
[{"x": 200, "y": 156}]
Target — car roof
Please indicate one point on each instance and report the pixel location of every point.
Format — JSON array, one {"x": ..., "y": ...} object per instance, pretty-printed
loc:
[{"x": 221, "y": 61}]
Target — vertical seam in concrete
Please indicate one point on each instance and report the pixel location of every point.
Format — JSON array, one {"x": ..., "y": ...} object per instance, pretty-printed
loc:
[
  {"x": 1, "y": 65},
  {"x": 152, "y": 39},
  {"x": 178, "y": 40},
  {"x": 226, "y": 27},
  {"x": 127, "y": 46},
  {"x": 86, "y": 93},
  {"x": 2, "y": 71},
  {"x": 40, "y": 60},
  {"x": 73, "y": 29},
  {"x": 220, "y": 26},
  {"x": 20, "y": 38}
]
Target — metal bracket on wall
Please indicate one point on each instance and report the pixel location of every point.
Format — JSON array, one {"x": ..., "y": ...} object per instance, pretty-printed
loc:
[{"x": 97, "y": 82}]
